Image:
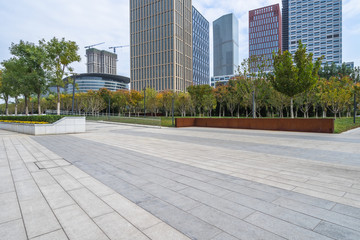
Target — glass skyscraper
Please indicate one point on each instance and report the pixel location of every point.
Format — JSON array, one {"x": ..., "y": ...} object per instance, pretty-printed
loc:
[
  {"x": 318, "y": 24},
  {"x": 161, "y": 44},
  {"x": 265, "y": 33},
  {"x": 201, "y": 49},
  {"x": 226, "y": 45}
]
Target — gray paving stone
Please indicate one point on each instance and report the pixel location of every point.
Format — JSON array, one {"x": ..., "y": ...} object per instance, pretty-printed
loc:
[
  {"x": 180, "y": 220},
  {"x": 232, "y": 225},
  {"x": 131, "y": 212},
  {"x": 282, "y": 228},
  {"x": 38, "y": 217},
  {"x": 337, "y": 232},
  {"x": 165, "y": 182},
  {"x": 96, "y": 187},
  {"x": 56, "y": 235},
  {"x": 27, "y": 190},
  {"x": 162, "y": 231},
  {"x": 174, "y": 198},
  {"x": 78, "y": 225},
  {"x": 221, "y": 204},
  {"x": 340, "y": 219},
  {"x": 56, "y": 196},
  {"x": 68, "y": 182},
  {"x": 215, "y": 190},
  {"x": 285, "y": 214},
  {"x": 9, "y": 207},
  {"x": 13, "y": 230},
  {"x": 347, "y": 210},
  {"x": 90, "y": 203},
  {"x": 116, "y": 227},
  {"x": 43, "y": 178},
  {"x": 245, "y": 190},
  {"x": 21, "y": 174},
  {"x": 224, "y": 236}
]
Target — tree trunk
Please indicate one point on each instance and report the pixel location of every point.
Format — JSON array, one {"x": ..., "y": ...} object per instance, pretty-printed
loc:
[
  {"x": 7, "y": 106},
  {"x": 58, "y": 100},
  {"x": 38, "y": 102},
  {"x": 16, "y": 105},
  {"x": 292, "y": 107},
  {"x": 219, "y": 110},
  {"x": 324, "y": 114},
  {"x": 26, "y": 105}
]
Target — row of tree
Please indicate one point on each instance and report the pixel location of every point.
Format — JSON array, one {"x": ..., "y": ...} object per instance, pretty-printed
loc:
[
  {"x": 33, "y": 68},
  {"x": 296, "y": 86}
]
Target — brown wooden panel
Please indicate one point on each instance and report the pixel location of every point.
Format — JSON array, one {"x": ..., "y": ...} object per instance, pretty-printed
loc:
[{"x": 280, "y": 124}]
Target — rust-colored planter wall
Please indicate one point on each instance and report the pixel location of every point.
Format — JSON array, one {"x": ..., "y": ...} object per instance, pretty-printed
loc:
[{"x": 281, "y": 124}]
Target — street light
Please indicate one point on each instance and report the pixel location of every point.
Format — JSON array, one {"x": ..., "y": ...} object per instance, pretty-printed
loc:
[
  {"x": 73, "y": 97},
  {"x": 356, "y": 76},
  {"x": 144, "y": 101}
]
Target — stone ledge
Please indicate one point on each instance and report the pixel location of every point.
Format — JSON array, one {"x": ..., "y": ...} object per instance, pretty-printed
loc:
[{"x": 62, "y": 126}]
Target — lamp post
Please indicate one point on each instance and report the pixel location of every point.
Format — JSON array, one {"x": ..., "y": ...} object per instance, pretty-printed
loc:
[
  {"x": 172, "y": 109},
  {"x": 73, "y": 96},
  {"x": 144, "y": 101},
  {"x": 356, "y": 76}
]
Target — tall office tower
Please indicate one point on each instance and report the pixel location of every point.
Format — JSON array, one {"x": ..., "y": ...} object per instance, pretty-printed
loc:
[
  {"x": 201, "y": 49},
  {"x": 318, "y": 24},
  {"x": 101, "y": 61},
  {"x": 285, "y": 25},
  {"x": 161, "y": 44},
  {"x": 226, "y": 45},
  {"x": 265, "y": 33}
]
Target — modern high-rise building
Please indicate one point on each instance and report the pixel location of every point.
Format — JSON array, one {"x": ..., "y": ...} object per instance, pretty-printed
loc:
[
  {"x": 201, "y": 48},
  {"x": 161, "y": 44},
  {"x": 265, "y": 35},
  {"x": 99, "y": 61},
  {"x": 226, "y": 45},
  {"x": 318, "y": 24}
]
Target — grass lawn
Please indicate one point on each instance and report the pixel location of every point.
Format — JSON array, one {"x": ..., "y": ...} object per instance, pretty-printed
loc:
[
  {"x": 132, "y": 120},
  {"x": 345, "y": 124},
  {"x": 341, "y": 124}
]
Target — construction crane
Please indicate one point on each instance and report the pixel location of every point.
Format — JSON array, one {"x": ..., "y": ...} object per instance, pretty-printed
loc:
[
  {"x": 88, "y": 47},
  {"x": 118, "y": 47}
]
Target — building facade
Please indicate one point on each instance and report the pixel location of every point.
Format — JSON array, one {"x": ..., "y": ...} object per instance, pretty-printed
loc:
[
  {"x": 220, "y": 80},
  {"x": 95, "y": 81},
  {"x": 318, "y": 24},
  {"x": 226, "y": 45},
  {"x": 161, "y": 44},
  {"x": 201, "y": 48},
  {"x": 265, "y": 35},
  {"x": 99, "y": 61}
]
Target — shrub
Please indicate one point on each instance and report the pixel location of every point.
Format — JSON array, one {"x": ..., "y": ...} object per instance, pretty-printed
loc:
[{"x": 44, "y": 118}]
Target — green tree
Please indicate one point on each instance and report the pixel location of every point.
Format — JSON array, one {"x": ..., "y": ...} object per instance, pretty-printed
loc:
[
  {"x": 14, "y": 81},
  {"x": 220, "y": 95},
  {"x": 119, "y": 100},
  {"x": 209, "y": 102},
  {"x": 34, "y": 59},
  {"x": 151, "y": 100},
  {"x": 197, "y": 93},
  {"x": 291, "y": 79},
  {"x": 61, "y": 54},
  {"x": 182, "y": 103}
]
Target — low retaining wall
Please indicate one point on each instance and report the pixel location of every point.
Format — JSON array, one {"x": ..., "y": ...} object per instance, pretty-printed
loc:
[
  {"x": 64, "y": 125},
  {"x": 280, "y": 124}
]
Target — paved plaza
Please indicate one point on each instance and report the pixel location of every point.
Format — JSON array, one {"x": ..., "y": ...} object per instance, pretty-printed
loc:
[{"x": 131, "y": 182}]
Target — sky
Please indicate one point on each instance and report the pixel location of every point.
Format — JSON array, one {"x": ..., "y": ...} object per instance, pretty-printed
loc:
[{"x": 90, "y": 22}]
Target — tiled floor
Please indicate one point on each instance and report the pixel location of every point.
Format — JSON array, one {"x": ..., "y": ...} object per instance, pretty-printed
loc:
[{"x": 124, "y": 182}]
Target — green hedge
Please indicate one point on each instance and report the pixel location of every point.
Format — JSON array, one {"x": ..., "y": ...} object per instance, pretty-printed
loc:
[{"x": 45, "y": 118}]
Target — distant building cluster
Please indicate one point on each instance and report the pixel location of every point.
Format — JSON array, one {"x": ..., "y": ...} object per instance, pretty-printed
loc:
[{"x": 170, "y": 42}]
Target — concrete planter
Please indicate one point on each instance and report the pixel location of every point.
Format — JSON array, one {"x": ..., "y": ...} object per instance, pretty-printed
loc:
[
  {"x": 279, "y": 124},
  {"x": 64, "y": 125}
]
